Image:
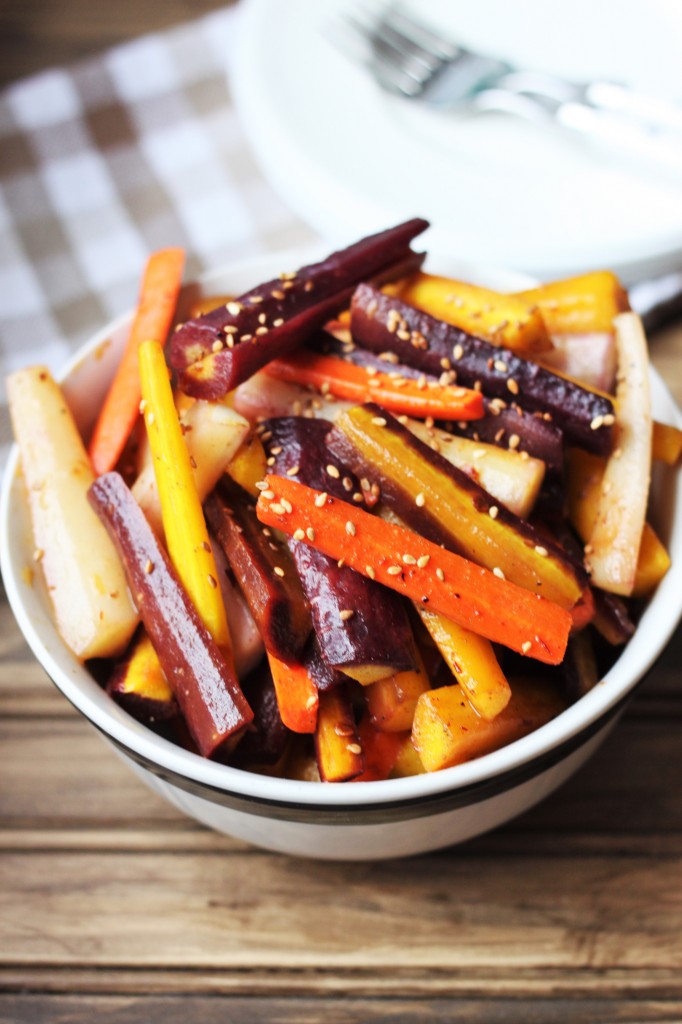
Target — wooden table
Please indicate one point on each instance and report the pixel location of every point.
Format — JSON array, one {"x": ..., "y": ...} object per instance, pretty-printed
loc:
[{"x": 114, "y": 907}]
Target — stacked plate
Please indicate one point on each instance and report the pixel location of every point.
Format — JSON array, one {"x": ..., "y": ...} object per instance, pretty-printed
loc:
[{"x": 349, "y": 158}]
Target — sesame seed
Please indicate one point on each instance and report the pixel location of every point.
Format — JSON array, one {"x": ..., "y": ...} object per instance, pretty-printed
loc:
[
  {"x": 311, "y": 702},
  {"x": 246, "y": 337},
  {"x": 150, "y": 418},
  {"x": 277, "y": 509},
  {"x": 440, "y": 574},
  {"x": 347, "y": 483},
  {"x": 350, "y": 528},
  {"x": 299, "y": 534},
  {"x": 514, "y": 441},
  {"x": 370, "y": 572},
  {"x": 286, "y": 505},
  {"x": 262, "y": 317},
  {"x": 500, "y": 365},
  {"x": 526, "y": 646},
  {"x": 353, "y": 748},
  {"x": 269, "y": 494},
  {"x": 513, "y": 386},
  {"x": 493, "y": 511},
  {"x": 261, "y": 330},
  {"x": 378, "y": 421},
  {"x": 293, "y": 470},
  {"x": 457, "y": 352},
  {"x": 420, "y": 500},
  {"x": 498, "y": 572},
  {"x": 609, "y": 419},
  {"x": 143, "y": 405},
  {"x": 540, "y": 550},
  {"x": 346, "y": 614},
  {"x": 149, "y": 567},
  {"x": 423, "y": 561},
  {"x": 321, "y": 499},
  {"x": 270, "y": 461},
  {"x": 597, "y": 422},
  {"x": 212, "y": 581},
  {"x": 333, "y": 472},
  {"x": 233, "y": 308},
  {"x": 409, "y": 559},
  {"x": 394, "y": 570},
  {"x": 279, "y": 571},
  {"x": 588, "y": 549},
  {"x": 255, "y": 299},
  {"x": 341, "y": 562}
]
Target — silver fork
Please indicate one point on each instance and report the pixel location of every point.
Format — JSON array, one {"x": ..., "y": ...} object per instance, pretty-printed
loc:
[{"x": 411, "y": 59}]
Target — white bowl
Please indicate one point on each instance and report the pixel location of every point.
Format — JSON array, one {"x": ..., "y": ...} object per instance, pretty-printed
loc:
[{"x": 394, "y": 818}]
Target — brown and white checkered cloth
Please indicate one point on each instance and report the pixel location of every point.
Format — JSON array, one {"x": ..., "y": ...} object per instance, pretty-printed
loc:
[{"x": 111, "y": 158}]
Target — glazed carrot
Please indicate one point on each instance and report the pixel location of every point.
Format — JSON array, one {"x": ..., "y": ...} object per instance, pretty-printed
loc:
[
  {"x": 183, "y": 518},
  {"x": 472, "y": 661},
  {"x": 153, "y": 320},
  {"x": 345, "y": 380},
  {"x": 296, "y": 692},
  {"x": 423, "y": 571},
  {"x": 337, "y": 744},
  {"x": 381, "y": 749}
]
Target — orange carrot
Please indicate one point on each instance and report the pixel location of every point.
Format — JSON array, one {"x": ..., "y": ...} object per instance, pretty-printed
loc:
[
  {"x": 583, "y": 611},
  {"x": 297, "y": 697},
  {"x": 345, "y": 380},
  {"x": 152, "y": 321},
  {"x": 396, "y": 556},
  {"x": 381, "y": 750}
]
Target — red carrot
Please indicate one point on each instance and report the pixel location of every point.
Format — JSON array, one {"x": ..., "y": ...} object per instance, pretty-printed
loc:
[
  {"x": 153, "y": 319},
  {"x": 439, "y": 579},
  {"x": 354, "y": 383}
]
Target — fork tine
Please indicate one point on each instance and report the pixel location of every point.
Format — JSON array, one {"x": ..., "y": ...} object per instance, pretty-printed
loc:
[
  {"x": 400, "y": 65},
  {"x": 353, "y": 37},
  {"x": 420, "y": 34}
]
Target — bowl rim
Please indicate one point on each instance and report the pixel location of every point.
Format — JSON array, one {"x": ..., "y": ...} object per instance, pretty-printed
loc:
[{"x": 78, "y": 686}]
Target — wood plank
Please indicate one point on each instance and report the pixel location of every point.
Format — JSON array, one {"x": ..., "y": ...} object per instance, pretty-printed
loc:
[
  {"x": 216, "y": 1010},
  {"x": 471, "y": 982},
  {"x": 35, "y": 35},
  {"x": 273, "y": 913}
]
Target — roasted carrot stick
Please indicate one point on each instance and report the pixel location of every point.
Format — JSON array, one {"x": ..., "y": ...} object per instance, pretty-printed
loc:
[
  {"x": 153, "y": 319},
  {"x": 346, "y": 380},
  {"x": 183, "y": 518},
  {"x": 297, "y": 697},
  {"x": 401, "y": 559}
]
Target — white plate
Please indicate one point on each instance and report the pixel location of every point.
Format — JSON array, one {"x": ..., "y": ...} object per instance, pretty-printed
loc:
[{"x": 349, "y": 158}]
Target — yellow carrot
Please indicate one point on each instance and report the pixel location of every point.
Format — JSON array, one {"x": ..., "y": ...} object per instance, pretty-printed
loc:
[
  {"x": 183, "y": 518},
  {"x": 472, "y": 660}
]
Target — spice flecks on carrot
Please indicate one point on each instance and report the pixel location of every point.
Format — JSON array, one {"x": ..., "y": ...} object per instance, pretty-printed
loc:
[
  {"x": 457, "y": 588},
  {"x": 346, "y": 380}
]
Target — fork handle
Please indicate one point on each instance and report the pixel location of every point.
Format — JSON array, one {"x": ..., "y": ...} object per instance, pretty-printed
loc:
[
  {"x": 642, "y": 144},
  {"x": 650, "y": 111}
]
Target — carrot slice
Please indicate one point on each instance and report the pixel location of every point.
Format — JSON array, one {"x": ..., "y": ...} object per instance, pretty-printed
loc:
[
  {"x": 342, "y": 379},
  {"x": 184, "y": 524},
  {"x": 403, "y": 560},
  {"x": 153, "y": 320},
  {"x": 296, "y": 692}
]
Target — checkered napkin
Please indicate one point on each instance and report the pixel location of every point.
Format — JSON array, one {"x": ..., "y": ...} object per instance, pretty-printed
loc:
[{"x": 107, "y": 160}]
